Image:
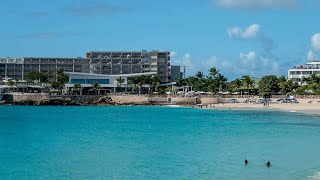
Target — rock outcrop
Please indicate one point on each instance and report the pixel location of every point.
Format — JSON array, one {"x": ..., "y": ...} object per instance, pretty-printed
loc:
[
  {"x": 57, "y": 102},
  {"x": 106, "y": 100}
]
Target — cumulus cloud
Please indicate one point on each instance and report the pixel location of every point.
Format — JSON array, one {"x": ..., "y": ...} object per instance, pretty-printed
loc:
[
  {"x": 256, "y": 4},
  {"x": 249, "y": 57},
  {"x": 252, "y": 64},
  {"x": 250, "y": 32},
  {"x": 173, "y": 54},
  {"x": 247, "y": 63},
  {"x": 185, "y": 60},
  {"x": 314, "y": 52},
  {"x": 315, "y": 41}
]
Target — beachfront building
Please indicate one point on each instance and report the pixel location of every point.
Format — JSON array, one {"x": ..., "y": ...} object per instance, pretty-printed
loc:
[
  {"x": 96, "y": 62},
  {"x": 130, "y": 62},
  {"x": 18, "y": 68},
  {"x": 297, "y": 73},
  {"x": 176, "y": 73},
  {"x": 106, "y": 82}
]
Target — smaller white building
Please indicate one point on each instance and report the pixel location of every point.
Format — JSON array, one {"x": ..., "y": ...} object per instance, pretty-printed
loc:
[
  {"x": 105, "y": 81},
  {"x": 297, "y": 73}
]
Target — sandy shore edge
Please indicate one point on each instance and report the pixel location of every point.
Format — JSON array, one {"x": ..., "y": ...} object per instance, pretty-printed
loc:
[{"x": 304, "y": 108}]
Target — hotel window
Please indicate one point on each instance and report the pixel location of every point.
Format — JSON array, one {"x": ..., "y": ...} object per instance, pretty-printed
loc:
[{"x": 306, "y": 72}]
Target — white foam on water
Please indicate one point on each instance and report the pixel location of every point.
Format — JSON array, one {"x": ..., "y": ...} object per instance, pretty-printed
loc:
[
  {"x": 173, "y": 106},
  {"x": 293, "y": 111},
  {"x": 315, "y": 176}
]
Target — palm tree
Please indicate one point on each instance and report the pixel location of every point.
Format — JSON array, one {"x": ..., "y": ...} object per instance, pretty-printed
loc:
[
  {"x": 77, "y": 87},
  {"x": 236, "y": 84},
  {"x": 155, "y": 82},
  {"x": 248, "y": 83},
  {"x": 211, "y": 85},
  {"x": 180, "y": 82},
  {"x": 199, "y": 75},
  {"x": 134, "y": 82},
  {"x": 220, "y": 81},
  {"x": 61, "y": 77},
  {"x": 313, "y": 78},
  {"x": 142, "y": 80},
  {"x": 96, "y": 88},
  {"x": 120, "y": 82},
  {"x": 11, "y": 84},
  {"x": 213, "y": 71},
  {"x": 191, "y": 81}
]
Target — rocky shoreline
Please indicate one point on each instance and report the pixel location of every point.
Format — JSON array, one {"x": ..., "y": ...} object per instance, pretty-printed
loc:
[{"x": 102, "y": 101}]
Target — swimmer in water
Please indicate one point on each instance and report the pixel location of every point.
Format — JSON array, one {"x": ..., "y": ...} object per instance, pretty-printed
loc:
[
  {"x": 246, "y": 162},
  {"x": 268, "y": 164}
]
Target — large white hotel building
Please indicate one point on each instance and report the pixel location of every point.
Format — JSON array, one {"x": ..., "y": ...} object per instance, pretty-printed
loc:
[
  {"x": 96, "y": 62},
  {"x": 297, "y": 73}
]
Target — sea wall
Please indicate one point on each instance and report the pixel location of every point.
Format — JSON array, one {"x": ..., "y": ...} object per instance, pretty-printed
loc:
[
  {"x": 39, "y": 97},
  {"x": 184, "y": 100},
  {"x": 129, "y": 99},
  {"x": 30, "y": 97},
  {"x": 136, "y": 99}
]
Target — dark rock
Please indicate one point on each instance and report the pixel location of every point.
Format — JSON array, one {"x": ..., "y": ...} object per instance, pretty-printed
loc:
[
  {"x": 26, "y": 102},
  {"x": 57, "y": 102}
]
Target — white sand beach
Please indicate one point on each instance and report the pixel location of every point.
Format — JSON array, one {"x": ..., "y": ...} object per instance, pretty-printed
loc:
[{"x": 302, "y": 107}]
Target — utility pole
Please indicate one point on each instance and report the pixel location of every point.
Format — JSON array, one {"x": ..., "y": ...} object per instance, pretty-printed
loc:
[{"x": 184, "y": 71}]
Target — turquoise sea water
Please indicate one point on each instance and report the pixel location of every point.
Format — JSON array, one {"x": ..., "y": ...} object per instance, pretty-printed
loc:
[{"x": 156, "y": 143}]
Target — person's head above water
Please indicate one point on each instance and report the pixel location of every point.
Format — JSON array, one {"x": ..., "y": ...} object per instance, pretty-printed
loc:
[
  {"x": 245, "y": 161},
  {"x": 268, "y": 164}
]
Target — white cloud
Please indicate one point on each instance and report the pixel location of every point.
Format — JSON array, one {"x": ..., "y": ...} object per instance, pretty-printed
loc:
[
  {"x": 250, "y": 32},
  {"x": 253, "y": 32},
  {"x": 314, "y": 52},
  {"x": 249, "y": 63},
  {"x": 311, "y": 55},
  {"x": 188, "y": 61},
  {"x": 256, "y": 4},
  {"x": 315, "y": 41},
  {"x": 249, "y": 57},
  {"x": 252, "y": 64},
  {"x": 173, "y": 54}
]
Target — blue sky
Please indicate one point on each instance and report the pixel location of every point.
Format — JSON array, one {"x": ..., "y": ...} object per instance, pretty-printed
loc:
[{"x": 254, "y": 37}]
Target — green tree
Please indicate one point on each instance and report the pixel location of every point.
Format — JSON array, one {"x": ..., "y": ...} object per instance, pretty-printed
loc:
[
  {"x": 11, "y": 84},
  {"x": 133, "y": 81},
  {"x": 39, "y": 76},
  {"x": 199, "y": 75},
  {"x": 248, "y": 83},
  {"x": 180, "y": 82},
  {"x": 61, "y": 77},
  {"x": 96, "y": 88},
  {"x": 235, "y": 85},
  {"x": 142, "y": 80},
  {"x": 213, "y": 72},
  {"x": 77, "y": 87},
  {"x": 312, "y": 83},
  {"x": 120, "y": 81},
  {"x": 220, "y": 81},
  {"x": 211, "y": 85},
  {"x": 313, "y": 78},
  {"x": 155, "y": 82},
  {"x": 60, "y": 81},
  {"x": 268, "y": 85}
]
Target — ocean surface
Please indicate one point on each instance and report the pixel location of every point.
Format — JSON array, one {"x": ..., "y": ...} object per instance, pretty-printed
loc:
[{"x": 156, "y": 143}]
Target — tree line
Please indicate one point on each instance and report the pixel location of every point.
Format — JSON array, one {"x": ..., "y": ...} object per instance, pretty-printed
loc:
[
  {"x": 268, "y": 85},
  {"x": 214, "y": 82}
]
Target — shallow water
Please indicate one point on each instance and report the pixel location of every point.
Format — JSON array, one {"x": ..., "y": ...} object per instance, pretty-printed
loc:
[{"x": 156, "y": 143}]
